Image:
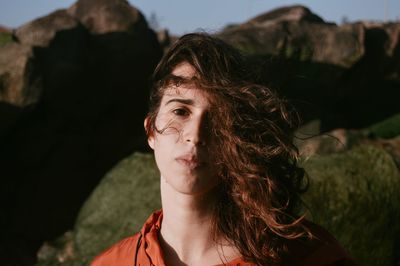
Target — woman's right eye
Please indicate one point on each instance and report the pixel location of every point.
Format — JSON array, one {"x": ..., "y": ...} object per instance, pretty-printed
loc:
[{"x": 180, "y": 112}]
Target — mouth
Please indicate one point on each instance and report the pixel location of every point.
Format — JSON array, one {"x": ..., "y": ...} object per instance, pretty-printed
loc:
[{"x": 190, "y": 161}]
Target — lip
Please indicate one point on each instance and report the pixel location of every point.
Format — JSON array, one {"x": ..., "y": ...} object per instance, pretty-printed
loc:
[{"x": 190, "y": 161}]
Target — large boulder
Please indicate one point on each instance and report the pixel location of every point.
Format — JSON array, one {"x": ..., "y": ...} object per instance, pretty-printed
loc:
[
  {"x": 41, "y": 31},
  {"x": 15, "y": 70},
  {"x": 74, "y": 93},
  {"x": 103, "y": 16},
  {"x": 289, "y": 13},
  {"x": 345, "y": 75},
  {"x": 296, "y": 33},
  {"x": 117, "y": 208},
  {"x": 355, "y": 196}
]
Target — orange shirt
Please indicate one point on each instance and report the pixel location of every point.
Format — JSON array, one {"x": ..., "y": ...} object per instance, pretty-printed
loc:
[{"x": 144, "y": 249}]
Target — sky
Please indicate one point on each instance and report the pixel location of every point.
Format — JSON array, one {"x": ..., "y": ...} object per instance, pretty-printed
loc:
[{"x": 183, "y": 16}]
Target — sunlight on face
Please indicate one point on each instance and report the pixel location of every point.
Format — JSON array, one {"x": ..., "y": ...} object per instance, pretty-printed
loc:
[{"x": 181, "y": 147}]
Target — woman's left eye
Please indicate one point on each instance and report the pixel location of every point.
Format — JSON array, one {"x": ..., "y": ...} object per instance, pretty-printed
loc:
[{"x": 180, "y": 112}]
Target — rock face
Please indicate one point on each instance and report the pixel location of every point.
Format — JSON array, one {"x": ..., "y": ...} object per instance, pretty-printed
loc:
[
  {"x": 386, "y": 135},
  {"x": 347, "y": 76},
  {"x": 291, "y": 13},
  {"x": 73, "y": 95},
  {"x": 103, "y": 16},
  {"x": 15, "y": 64},
  {"x": 296, "y": 33},
  {"x": 42, "y": 31}
]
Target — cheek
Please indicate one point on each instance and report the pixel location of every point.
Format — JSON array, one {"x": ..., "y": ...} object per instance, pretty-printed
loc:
[
  {"x": 166, "y": 124},
  {"x": 164, "y": 147}
]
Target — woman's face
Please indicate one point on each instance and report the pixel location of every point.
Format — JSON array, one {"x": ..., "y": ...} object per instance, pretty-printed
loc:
[{"x": 181, "y": 149}]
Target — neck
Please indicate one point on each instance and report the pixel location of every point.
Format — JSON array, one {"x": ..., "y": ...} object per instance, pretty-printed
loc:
[{"x": 186, "y": 237}]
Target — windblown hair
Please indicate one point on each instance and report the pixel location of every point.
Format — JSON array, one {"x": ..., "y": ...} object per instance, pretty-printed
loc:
[{"x": 252, "y": 146}]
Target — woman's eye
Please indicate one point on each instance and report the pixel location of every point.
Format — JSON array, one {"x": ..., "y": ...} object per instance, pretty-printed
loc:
[{"x": 180, "y": 112}]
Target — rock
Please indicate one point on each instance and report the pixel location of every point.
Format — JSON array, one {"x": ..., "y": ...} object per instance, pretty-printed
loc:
[
  {"x": 104, "y": 16},
  {"x": 346, "y": 192},
  {"x": 328, "y": 72},
  {"x": 392, "y": 146},
  {"x": 164, "y": 39},
  {"x": 389, "y": 128},
  {"x": 117, "y": 208},
  {"x": 310, "y": 141},
  {"x": 295, "y": 32},
  {"x": 289, "y": 13},
  {"x": 16, "y": 88},
  {"x": 73, "y": 103},
  {"x": 59, "y": 251},
  {"x": 355, "y": 196},
  {"x": 384, "y": 135},
  {"x": 41, "y": 31},
  {"x": 119, "y": 205}
]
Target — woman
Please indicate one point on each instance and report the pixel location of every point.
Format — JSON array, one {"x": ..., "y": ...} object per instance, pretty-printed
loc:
[{"x": 230, "y": 185}]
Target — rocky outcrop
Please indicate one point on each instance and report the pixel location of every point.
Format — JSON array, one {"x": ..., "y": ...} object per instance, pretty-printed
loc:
[
  {"x": 42, "y": 31},
  {"x": 385, "y": 135},
  {"x": 73, "y": 95},
  {"x": 286, "y": 14},
  {"x": 296, "y": 33},
  {"x": 103, "y": 16},
  {"x": 15, "y": 69},
  {"x": 347, "y": 75}
]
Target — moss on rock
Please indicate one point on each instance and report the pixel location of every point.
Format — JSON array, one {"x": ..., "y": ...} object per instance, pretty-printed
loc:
[
  {"x": 355, "y": 195},
  {"x": 120, "y": 204},
  {"x": 388, "y": 128}
]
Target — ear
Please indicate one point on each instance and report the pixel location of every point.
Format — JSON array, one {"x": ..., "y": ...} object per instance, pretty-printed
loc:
[{"x": 150, "y": 135}]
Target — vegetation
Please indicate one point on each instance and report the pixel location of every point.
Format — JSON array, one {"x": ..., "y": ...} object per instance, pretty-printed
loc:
[
  {"x": 389, "y": 128},
  {"x": 118, "y": 207},
  {"x": 355, "y": 196},
  {"x": 5, "y": 38}
]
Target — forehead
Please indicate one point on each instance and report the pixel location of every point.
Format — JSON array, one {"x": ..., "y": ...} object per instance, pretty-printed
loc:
[
  {"x": 189, "y": 93},
  {"x": 187, "y": 90},
  {"x": 184, "y": 70}
]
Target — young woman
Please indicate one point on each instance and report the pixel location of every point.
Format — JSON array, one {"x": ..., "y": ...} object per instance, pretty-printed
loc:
[{"x": 230, "y": 185}]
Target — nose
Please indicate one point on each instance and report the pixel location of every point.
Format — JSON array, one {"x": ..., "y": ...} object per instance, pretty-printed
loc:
[{"x": 196, "y": 131}]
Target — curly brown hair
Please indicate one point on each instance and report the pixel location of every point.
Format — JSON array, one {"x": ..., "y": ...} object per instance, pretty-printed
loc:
[{"x": 256, "y": 160}]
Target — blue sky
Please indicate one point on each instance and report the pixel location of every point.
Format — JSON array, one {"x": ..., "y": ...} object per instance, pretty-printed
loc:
[{"x": 181, "y": 16}]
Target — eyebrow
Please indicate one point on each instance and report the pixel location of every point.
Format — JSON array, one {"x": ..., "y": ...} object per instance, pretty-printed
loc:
[{"x": 184, "y": 101}]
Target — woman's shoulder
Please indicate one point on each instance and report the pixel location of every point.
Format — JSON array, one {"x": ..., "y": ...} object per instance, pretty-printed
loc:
[
  {"x": 120, "y": 253},
  {"x": 322, "y": 249}
]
